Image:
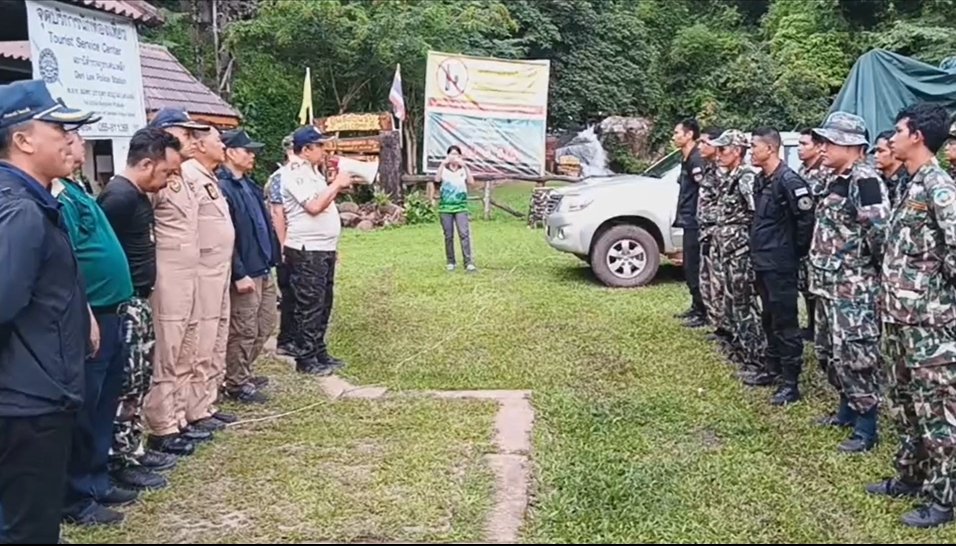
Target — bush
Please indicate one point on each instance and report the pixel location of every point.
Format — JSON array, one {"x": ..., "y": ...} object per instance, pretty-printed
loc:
[{"x": 418, "y": 210}]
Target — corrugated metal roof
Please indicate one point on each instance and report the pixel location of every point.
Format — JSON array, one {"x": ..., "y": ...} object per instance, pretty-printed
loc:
[
  {"x": 166, "y": 82},
  {"x": 137, "y": 10}
]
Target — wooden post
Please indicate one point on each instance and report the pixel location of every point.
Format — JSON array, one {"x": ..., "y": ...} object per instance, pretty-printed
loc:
[
  {"x": 487, "y": 199},
  {"x": 390, "y": 166}
]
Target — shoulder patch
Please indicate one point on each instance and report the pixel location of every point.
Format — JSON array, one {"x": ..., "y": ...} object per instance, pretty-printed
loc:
[
  {"x": 943, "y": 197},
  {"x": 805, "y": 203},
  {"x": 696, "y": 170},
  {"x": 870, "y": 191},
  {"x": 802, "y": 190}
]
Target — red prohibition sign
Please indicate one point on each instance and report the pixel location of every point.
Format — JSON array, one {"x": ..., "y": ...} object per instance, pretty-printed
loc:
[{"x": 452, "y": 77}]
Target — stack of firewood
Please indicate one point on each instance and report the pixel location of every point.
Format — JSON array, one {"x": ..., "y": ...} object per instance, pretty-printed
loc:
[{"x": 538, "y": 211}]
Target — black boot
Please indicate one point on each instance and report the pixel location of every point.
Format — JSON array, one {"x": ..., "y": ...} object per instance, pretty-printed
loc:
[
  {"x": 788, "y": 393},
  {"x": 864, "y": 433},
  {"x": 762, "y": 378},
  {"x": 158, "y": 462},
  {"x": 931, "y": 515},
  {"x": 685, "y": 314},
  {"x": 195, "y": 434},
  {"x": 843, "y": 418},
  {"x": 174, "y": 444},
  {"x": 894, "y": 488},
  {"x": 695, "y": 321},
  {"x": 138, "y": 478}
]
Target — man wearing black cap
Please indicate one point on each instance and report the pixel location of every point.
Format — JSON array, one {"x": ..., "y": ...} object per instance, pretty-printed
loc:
[
  {"x": 45, "y": 322},
  {"x": 253, "y": 291},
  {"x": 310, "y": 248}
]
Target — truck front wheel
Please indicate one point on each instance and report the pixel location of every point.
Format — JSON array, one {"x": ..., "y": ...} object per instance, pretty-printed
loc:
[{"x": 625, "y": 257}]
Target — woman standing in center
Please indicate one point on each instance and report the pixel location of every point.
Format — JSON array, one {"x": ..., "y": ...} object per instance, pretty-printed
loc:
[{"x": 455, "y": 178}]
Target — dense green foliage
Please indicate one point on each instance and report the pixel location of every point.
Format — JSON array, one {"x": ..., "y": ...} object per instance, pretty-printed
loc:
[{"x": 743, "y": 62}]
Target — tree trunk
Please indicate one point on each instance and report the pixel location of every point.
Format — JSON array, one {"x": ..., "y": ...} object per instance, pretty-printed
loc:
[{"x": 390, "y": 167}]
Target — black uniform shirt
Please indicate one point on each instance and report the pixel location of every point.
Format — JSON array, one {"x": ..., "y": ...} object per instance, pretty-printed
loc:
[
  {"x": 691, "y": 174},
  {"x": 783, "y": 225}
]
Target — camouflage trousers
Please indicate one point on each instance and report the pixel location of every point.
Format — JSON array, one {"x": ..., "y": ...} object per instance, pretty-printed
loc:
[
  {"x": 128, "y": 428},
  {"x": 803, "y": 276},
  {"x": 922, "y": 403},
  {"x": 741, "y": 313},
  {"x": 847, "y": 340}
]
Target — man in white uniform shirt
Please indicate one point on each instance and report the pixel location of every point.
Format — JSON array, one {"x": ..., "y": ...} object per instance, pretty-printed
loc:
[{"x": 312, "y": 236}]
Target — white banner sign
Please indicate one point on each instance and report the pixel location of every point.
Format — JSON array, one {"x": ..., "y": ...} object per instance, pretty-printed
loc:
[{"x": 91, "y": 61}]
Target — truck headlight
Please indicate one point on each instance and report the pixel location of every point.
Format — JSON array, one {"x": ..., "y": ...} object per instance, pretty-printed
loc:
[{"x": 574, "y": 203}]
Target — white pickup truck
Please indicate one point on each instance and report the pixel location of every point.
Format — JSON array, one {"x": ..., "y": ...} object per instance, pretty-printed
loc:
[{"x": 621, "y": 225}]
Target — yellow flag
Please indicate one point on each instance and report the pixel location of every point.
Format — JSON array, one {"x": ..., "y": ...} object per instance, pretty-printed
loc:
[{"x": 306, "y": 114}]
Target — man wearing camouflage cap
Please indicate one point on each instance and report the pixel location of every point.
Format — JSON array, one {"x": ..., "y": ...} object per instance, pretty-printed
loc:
[
  {"x": 735, "y": 213},
  {"x": 844, "y": 275},
  {"x": 711, "y": 276},
  {"x": 918, "y": 310}
]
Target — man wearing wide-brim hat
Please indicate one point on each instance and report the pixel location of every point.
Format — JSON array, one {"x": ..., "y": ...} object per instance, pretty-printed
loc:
[{"x": 845, "y": 276}]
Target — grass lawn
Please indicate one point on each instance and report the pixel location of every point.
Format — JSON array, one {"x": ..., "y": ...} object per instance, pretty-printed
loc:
[{"x": 642, "y": 432}]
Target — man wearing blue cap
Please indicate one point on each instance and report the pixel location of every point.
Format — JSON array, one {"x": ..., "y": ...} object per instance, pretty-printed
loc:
[
  {"x": 45, "y": 323},
  {"x": 311, "y": 242},
  {"x": 174, "y": 300}
]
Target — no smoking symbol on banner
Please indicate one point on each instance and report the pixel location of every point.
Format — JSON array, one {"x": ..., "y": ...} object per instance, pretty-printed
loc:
[{"x": 452, "y": 77}]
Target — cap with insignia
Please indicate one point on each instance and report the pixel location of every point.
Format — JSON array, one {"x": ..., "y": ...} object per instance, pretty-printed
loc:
[
  {"x": 30, "y": 100},
  {"x": 175, "y": 117},
  {"x": 843, "y": 129},
  {"x": 731, "y": 137}
]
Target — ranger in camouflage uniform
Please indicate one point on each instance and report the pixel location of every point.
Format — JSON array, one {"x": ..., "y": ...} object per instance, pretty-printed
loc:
[
  {"x": 735, "y": 213},
  {"x": 919, "y": 321},
  {"x": 711, "y": 292},
  {"x": 893, "y": 171},
  {"x": 817, "y": 178},
  {"x": 844, "y": 275}
]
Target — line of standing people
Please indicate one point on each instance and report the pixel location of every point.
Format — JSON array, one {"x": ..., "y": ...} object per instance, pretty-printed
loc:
[
  {"x": 872, "y": 247},
  {"x": 125, "y": 318}
]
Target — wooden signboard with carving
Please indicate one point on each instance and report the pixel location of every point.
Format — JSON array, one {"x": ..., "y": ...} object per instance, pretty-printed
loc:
[{"x": 364, "y": 137}]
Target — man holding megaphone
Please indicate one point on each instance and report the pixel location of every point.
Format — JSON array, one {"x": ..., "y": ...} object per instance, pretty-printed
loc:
[{"x": 311, "y": 243}]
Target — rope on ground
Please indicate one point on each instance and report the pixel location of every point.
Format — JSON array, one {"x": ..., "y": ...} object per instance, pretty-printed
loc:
[{"x": 274, "y": 417}]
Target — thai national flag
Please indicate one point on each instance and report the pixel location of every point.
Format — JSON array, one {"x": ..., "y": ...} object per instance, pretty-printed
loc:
[{"x": 395, "y": 94}]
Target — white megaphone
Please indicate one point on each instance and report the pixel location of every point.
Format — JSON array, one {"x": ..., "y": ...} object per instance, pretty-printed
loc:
[{"x": 367, "y": 171}]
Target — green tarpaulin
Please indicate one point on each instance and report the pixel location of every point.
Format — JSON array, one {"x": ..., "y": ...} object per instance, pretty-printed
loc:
[{"x": 882, "y": 83}]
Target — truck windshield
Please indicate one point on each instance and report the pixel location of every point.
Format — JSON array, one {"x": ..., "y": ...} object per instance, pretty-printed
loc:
[{"x": 664, "y": 165}]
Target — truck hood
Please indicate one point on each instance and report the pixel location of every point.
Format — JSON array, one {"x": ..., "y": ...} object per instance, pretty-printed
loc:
[{"x": 621, "y": 185}]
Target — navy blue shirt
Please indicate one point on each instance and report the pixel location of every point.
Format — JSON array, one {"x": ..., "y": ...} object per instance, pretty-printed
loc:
[
  {"x": 44, "y": 320},
  {"x": 257, "y": 246}
]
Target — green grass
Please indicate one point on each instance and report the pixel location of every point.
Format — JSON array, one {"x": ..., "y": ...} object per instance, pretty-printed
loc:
[
  {"x": 352, "y": 470},
  {"x": 642, "y": 431}
]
